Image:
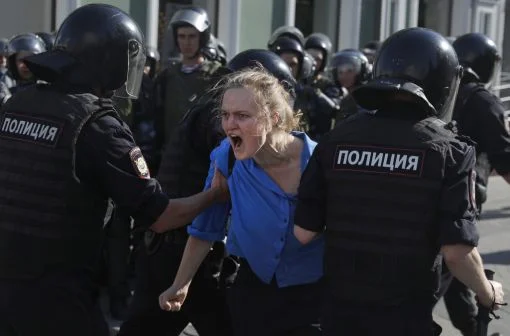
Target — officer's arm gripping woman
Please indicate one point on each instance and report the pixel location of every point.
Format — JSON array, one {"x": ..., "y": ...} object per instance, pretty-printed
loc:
[{"x": 65, "y": 161}]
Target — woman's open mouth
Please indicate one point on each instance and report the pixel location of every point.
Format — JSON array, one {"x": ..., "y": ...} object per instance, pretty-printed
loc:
[{"x": 236, "y": 141}]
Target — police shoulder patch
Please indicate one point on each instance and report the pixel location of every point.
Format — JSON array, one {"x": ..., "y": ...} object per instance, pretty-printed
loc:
[{"x": 139, "y": 164}]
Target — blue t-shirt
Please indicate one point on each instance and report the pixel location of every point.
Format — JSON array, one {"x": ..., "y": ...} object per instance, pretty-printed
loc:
[{"x": 262, "y": 221}]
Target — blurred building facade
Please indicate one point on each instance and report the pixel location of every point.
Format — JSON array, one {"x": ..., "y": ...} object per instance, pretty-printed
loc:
[{"x": 243, "y": 24}]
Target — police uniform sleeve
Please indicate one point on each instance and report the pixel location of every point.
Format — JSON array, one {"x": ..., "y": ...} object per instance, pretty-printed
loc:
[
  {"x": 312, "y": 192},
  {"x": 493, "y": 128},
  {"x": 108, "y": 159},
  {"x": 457, "y": 214}
]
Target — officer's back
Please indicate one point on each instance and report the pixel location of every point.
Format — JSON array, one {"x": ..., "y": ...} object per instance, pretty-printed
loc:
[
  {"x": 393, "y": 192},
  {"x": 376, "y": 155}
]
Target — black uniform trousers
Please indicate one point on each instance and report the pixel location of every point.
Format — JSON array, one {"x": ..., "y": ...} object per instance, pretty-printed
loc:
[
  {"x": 205, "y": 306},
  {"x": 460, "y": 303},
  {"x": 347, "y": 318},
  {"x": 117, "y": 251},
  {"x": 258, "y": 308},
  {"x": 59, "y": 303}
]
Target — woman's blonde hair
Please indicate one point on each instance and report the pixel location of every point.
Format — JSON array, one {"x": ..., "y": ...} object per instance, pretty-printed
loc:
[{"x": 269, "y": 94}]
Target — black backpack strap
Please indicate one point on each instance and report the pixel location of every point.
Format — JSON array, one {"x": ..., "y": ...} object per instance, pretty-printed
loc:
[{"x": 231, "y": 160}]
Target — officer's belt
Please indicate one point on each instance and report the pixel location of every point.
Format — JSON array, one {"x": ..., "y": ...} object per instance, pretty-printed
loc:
[{"x": 177, "y": 236}]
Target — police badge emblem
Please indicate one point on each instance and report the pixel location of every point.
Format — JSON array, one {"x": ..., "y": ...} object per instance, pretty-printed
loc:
[{"x": 141, "y": 168}]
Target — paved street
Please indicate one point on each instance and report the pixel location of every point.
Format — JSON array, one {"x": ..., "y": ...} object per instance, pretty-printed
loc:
[{"x": 495, "y": 250}]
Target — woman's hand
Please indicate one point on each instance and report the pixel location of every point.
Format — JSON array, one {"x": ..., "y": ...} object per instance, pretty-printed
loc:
[{"x": 173, "y": 298}]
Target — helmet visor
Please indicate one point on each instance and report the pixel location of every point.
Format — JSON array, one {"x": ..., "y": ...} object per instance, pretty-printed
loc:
[
  {"x": 346, "y": 63},
  {"x": 446, "y": 111},
  {"x": 135, "y": 65}
]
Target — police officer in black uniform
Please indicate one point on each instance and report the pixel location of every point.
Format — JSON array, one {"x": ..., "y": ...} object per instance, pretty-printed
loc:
[
  {"x": 319, "y": 46},
  {"x": 286, "y": 31},
  {"x": 349, "y": 69},
  {"x": 48, "y": 38},
  {"x": 291, "y": 51},
  {"x": 21, "y": 46},
  {"x": 392, "y": 192},
  {"x": 185, "y": 165},
  {"x": 308, "y": 69},
  {"x": 370, "y": 50},
  {"x": 320, "y": 105},
  {"x": 481, "y": 116},
  {"x": 317, "y": 108},
  {"x": 68, "y": 153}
]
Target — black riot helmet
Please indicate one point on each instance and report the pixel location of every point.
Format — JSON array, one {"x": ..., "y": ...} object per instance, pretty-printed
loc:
[
  {"x": 288, "y": 45},
  {"x": 30, "y": 43},
  {"x": 370, "y": 50},
  {"x": 478, "y": 55},
  {"x": 417, "y": 63},
  {"x": 321, "y": 42},
  {"x": 4, "y": 47},
  {"x": 222, "y": 51},
  {"x": 48, "y": 38},
  {"x": 286, "y": 31},
  {"x": 152, "y": 54},
  {"x": 195, "y": 17},
  {"x": 309, "y": 68},
  {"x": 269, "y": 61},
  {"x": 213, "y": 52},
  {"x": 210, "y": 51},
  {"x": 98, "y": 46},
  {"x": 352, "y": 60},
  {"x": 152, "y": 60}
]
